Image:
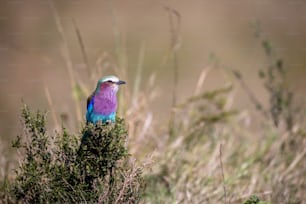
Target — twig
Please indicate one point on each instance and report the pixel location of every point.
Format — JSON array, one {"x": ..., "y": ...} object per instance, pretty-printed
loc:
[
  {"x": 116, "y": 32},
  {"x": 201, "y": 80},
  {"x": 73, "y": 189},
  {"x": 67, "y": 58},
  {"x": 139, "y": 72},
  {"x": 127, "y": 181},
  {"x": 120, "y": 52},
  {"x": 222, "y": 171},
  {"x": 250, "y": 94},
  {"x": 175, "y": 44},
  {"x": 293, "y": 165},
  {"x": 50, "y": 102},
  {"x": 82, "y": 46}
]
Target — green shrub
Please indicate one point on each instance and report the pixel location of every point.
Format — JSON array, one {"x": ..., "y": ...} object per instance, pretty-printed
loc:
[{"x": 60, "y": 169}]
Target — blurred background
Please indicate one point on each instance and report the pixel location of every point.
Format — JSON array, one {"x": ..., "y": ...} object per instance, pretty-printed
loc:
[{"x": 34, "y": 53}]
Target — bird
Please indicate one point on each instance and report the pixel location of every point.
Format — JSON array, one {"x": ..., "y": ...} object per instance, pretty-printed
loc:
[{"x": 102, "y": 103}]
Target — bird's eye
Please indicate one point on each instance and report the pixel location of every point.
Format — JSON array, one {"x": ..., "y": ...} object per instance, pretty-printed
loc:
[{"x": 109, "y": 81}]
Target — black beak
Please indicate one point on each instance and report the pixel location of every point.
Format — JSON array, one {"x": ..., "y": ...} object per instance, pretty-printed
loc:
[{"x": 120, "y": 82}]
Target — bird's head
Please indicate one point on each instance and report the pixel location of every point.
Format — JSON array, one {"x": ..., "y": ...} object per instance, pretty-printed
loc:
[{"x": 109, "y": 82}]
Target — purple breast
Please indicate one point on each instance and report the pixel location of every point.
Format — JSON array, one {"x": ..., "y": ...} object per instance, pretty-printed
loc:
[{"x": 105, "y": 102}]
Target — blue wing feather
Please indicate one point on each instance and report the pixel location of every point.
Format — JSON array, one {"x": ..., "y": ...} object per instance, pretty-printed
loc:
[{"x": 90, "y": 105}]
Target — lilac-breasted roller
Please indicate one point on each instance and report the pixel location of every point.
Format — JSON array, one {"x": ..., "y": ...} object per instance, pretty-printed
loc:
[{"x": 102, "y": 103}]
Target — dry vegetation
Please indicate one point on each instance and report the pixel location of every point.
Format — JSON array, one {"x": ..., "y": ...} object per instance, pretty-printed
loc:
[{"x": 204, "y": 154}]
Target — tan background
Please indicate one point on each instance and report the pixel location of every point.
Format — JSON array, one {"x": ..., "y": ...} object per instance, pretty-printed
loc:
[{"x": 30, "y": 46}]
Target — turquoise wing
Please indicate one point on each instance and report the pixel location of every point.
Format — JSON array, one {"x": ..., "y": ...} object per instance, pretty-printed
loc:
[{"x": 90, "y": 105}]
